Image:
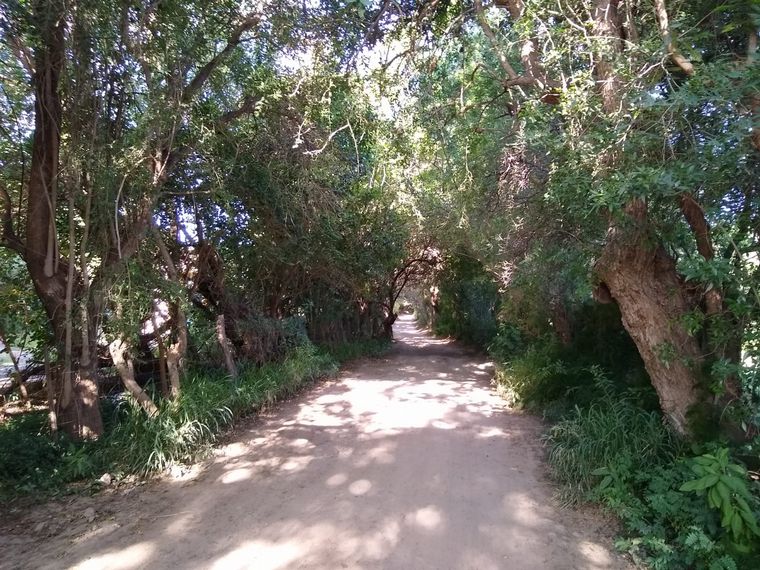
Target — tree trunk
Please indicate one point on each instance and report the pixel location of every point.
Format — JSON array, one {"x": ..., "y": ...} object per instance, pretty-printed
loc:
[
  {"x": 388, "y": 321},
  {"x": 175, "y": 353},
  {"x": 561, "y": 321},
  {"x": 642, "y": 279},
  {"x": 636, "y": 270},
  {"x": 119, "y": 350},
  {"x": 161, "y": 350},
  {"x": 49, "y": 385},
  {"x": 224, "y": 343},
  {"x": 162, "y": 374},
  {"x": 78, "y": 413}
]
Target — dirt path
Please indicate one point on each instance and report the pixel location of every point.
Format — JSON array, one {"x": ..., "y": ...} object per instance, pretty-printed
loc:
[{"x": 409, "y": 462}]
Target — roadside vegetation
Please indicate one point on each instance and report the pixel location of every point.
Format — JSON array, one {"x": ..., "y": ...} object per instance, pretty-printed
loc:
[
  {"x": 194, "y": 195},
  {"x": 682, "y": 502},
  {"x": 182, "y": 431}
]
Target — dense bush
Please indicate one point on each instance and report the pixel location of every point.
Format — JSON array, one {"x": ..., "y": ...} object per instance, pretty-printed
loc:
[
  {"x": 468, "y": 302},
  {"x": 681, "y": 505},
  {"x": 669, "y": 521},
  {"x": 28, "y": 460}
]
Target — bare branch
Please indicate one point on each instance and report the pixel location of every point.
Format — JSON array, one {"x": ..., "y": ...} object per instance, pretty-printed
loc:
[
  {"x": 695, "y": 217},
  {"x": 662, "y": 19},
  {"x": 327, "y": 142},
  {"x": 533, "y": 73},
  {"x": 247, "y": 106},
  {"x": 171, "y": 268},
  {"x": 505, "y": 65},
  {"x": 22, "y": 53},
  {"x": 515, "y": 7}
]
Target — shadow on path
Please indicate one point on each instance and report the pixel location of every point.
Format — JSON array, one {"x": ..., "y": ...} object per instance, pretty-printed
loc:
[{"x": 405, "y": 462}]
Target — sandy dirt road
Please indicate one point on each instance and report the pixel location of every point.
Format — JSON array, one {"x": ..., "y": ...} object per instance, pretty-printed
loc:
[{"x": 405, "y": 462}]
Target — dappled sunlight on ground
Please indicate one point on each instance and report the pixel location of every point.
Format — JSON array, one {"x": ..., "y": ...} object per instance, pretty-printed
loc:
[
  {"x": 133, "y": 556},
  {"x": 406, "y": 462}
]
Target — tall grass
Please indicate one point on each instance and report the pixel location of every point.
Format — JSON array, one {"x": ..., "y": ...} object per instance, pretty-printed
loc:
[{"x": 613, "y": 431}]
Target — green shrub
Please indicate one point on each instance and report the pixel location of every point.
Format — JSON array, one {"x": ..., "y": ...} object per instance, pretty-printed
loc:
[
  {"x": 724, "y": 484},
  {"x": 209, "y": 403},
  {"x": 549, "y": 379},
  {"x": 609, "y": 444},
  {"x": 468, "y": 301},
  {"x": 668, "y": 524},
  {"x": 30, "y": 460},
  {"x": 507, "y": 343}
]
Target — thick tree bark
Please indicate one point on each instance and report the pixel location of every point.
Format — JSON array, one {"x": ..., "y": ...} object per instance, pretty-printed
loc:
[
  {"x": 642, "y": 279},
  {"x": 175, "y": 353},
  {"x": 697, "y": 221},
  {"x": 637, "y": 271},
  {"x": 76, "y": 399},
  {"x": 226, "y": 346},
  {"x": 388, "y": 323},
  {"x": 609, "y": 31}
]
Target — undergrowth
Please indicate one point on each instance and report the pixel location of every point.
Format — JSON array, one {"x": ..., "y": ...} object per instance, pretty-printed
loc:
[
  {"x": 32, "y": 461},
  {"x": 613, "y": 430},
  {"x": 681, "y": 506}
]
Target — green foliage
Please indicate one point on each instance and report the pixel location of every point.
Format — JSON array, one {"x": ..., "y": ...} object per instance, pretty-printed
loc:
[
  {"x": 22, "y": 321},
  {"x": 667, "y": 523},
  {"x": 468, "y": 302},
  {"x": 724, "y": 484},
  {"x": 610, "y": 445},
  {"x": 541, "y": 374},
  {"x": 507, "y": 343},
  {"x": 29, "y": 458},
  {"x": 208, "y": 404},
  {"x": 539, "y": 380}
]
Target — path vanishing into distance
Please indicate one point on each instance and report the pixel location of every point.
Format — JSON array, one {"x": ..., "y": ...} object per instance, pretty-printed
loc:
[{"x": 406, "y": 462}]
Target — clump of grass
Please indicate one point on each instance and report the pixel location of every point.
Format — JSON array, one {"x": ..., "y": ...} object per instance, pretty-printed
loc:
[
  {"x": 29, "y": 460},
  {"x": 614, "y": 430}
]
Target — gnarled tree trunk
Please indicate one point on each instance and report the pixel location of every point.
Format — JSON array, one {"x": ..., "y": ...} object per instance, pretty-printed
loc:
[
  {"x": 641, "y": 277},
  {"x": 76, "y": 392},
  {"x": 639, "y": 274}
]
